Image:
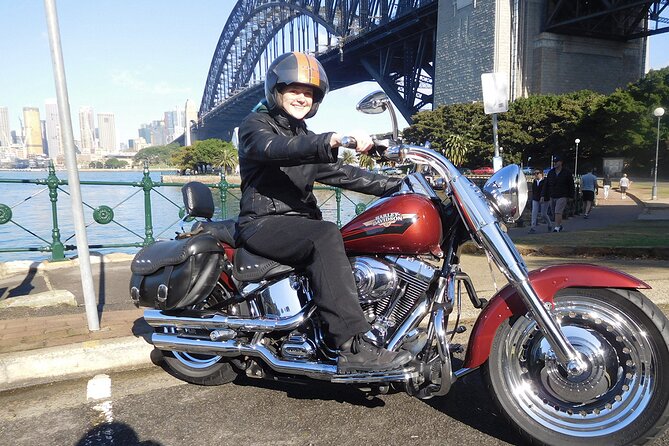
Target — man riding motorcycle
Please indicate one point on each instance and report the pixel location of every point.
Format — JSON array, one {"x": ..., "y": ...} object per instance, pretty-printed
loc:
[{"x": 279, "y": 218}]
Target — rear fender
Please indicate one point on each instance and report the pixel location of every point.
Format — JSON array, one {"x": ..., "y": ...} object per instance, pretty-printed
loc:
[
  {"x": 226, "y": 275},
  {"x": 546, "y": 282}
]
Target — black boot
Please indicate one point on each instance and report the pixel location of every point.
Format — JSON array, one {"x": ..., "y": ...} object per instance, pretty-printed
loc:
[{"x": 358, "y": 354}]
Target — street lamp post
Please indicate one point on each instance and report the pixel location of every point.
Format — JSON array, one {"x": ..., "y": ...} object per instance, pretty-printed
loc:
[
  {"x": 659, "y": 112},
  {"x": 577, "y": 141}
]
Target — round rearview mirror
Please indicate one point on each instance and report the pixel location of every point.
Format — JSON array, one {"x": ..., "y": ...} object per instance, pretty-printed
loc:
[{"x": 374, "y": 103}]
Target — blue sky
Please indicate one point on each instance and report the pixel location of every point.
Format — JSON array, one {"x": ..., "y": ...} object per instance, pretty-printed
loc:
[{"x": 138, "y": 59}]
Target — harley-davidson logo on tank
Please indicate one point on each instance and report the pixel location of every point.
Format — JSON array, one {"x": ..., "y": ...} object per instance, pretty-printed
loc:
[
  {"x": 386, "y": 220},
  {"x": 405, "y": 224}
]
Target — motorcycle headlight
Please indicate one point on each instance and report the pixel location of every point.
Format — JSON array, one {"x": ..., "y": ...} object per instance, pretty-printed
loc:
[{"x": 506, "y": 191}]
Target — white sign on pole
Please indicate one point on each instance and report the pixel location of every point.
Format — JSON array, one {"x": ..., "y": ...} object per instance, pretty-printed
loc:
[{"x": 495, "y": 92}]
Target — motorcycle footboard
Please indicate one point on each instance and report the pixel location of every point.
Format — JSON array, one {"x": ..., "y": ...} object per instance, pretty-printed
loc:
[{"x": 399, "y": 375}]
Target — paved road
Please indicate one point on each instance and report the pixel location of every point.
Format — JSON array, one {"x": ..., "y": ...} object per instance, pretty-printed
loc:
[{"x": 148, "y": 407}]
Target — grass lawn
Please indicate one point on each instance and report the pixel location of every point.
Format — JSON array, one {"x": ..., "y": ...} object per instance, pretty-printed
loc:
[
  {"x": 643, "y": 233},
  {"x": 642, "y": 189}
]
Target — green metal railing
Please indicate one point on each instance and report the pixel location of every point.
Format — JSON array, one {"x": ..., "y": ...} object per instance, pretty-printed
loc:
[{"x": 104, "y": 215}]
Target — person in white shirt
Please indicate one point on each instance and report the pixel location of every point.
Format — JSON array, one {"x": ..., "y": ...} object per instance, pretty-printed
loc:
[
  {"x": 624, "y": 185},
  {"x": 588, "y": 189}
]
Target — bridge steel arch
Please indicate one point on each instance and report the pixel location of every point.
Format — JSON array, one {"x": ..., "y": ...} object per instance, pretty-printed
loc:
[{"x": 390, "y": 41}]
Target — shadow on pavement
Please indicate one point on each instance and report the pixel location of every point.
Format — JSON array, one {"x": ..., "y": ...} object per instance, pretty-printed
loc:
[
  {"x": 113, "y": 434},
  {"x": 25, "y": 287}
]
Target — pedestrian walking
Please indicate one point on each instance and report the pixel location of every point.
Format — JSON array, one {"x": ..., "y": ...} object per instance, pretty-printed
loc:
[
  {"x": 539, "y": 205},
  {"x": 606, "y": 183},
  {"x": 558, "y": 188},
  {"x": 588, "y": 189},
  {"x": 624, "y": 184}
]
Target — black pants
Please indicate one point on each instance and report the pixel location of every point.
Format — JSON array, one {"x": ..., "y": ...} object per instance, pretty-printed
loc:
[{"x": 317, "y": 246}]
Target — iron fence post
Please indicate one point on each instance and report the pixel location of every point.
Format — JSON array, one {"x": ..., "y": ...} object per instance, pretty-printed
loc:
[
  {"x": 147, "y": 185},
  {"x": 338, "y": 199},
  {"x": 57, "y": 248},
  {"x": 223, "y": 188}
]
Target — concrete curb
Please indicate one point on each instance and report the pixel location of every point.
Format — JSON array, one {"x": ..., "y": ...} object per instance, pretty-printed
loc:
[
  {"x": 45, "y": 365},
  {"x": 38, "y": 300},
  {"x": 23, "y": 267}
]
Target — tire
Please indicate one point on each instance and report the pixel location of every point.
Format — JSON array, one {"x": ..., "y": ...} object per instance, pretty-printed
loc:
[
  {"x": 622, "y": 399},
  {"x": 204, "y": 370},
  {"x": 196, "y": 368}
]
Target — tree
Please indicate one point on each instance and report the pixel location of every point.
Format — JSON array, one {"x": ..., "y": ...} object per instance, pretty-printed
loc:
[
  {"x": 620, "y": 124},
  {"x": 366, "y": 161},
  {"x": 115, "y": 163},
  {"x": 452, "y": 130},
  {"x": 228, "y": 158},
  {"x": 157, "y": 155},
  {"x": 213, "y": 152},
  {"x": 348, "y": 157}
]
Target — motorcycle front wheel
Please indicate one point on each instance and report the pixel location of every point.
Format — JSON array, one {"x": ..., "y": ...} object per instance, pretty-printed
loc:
[{"x": 623, "y": 396}]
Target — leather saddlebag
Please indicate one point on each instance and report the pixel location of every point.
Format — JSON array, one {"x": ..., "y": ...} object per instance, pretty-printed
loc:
[{"x": 176, "y": 273}]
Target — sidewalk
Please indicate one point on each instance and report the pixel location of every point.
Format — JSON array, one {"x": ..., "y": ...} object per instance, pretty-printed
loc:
[{"x": 44, "y": 334}]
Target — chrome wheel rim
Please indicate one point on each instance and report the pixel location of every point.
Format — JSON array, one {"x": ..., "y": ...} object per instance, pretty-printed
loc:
[
  {"x": 608, "y": 397},
  {"x": 193, "y": 360}
]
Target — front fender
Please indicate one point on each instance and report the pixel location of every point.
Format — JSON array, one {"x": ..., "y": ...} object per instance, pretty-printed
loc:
[{"x": 546, "y": 282}]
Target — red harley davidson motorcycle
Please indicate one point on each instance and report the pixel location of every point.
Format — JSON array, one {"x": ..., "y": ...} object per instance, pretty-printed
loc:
[{"x": 572, "y": 354}]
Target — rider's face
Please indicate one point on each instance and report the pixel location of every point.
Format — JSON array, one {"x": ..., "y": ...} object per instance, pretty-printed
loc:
[{"x": 296, "y": 100}]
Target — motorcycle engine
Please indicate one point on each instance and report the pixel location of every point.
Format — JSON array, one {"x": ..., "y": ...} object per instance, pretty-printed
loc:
[
  {"x": 389, "y": 287},
  {"x": 375, "y": 280}
]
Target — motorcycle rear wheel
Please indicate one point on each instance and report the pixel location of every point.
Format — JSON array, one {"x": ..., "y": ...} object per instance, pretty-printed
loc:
[
  {"x": 623, "y": 397},
  {"x": 204, "y": 370},
  {"x": 196, "y": 368}
]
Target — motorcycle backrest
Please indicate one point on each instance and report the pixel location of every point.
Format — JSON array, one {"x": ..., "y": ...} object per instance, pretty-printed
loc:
[{"x": 198, "y": 200}]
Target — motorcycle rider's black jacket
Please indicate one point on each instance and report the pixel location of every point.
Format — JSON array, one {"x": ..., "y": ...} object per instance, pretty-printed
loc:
[{"x": 278, "y": 170}]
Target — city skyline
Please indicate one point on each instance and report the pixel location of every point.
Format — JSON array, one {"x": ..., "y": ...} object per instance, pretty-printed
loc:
[{"x": 138, "y": 70}]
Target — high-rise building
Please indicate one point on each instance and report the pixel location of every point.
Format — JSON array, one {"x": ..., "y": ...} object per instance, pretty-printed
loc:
[
  {"x": 171, "y": 122},
  {"x": 53, "y": 134},
  {"x": 5, "y": 131},
  {"x": 107, "y": 129},
  {"x": 42, "y": 128},
  {"x": 32, "y": 131},
  {"x": 145, "y": 133},
  {"x": 158, "y": 133},
  {"x": 87, "y": 129}
]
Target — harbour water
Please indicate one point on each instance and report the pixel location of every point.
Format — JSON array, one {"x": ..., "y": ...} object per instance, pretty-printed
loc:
[{"x": 32, "y": 224}]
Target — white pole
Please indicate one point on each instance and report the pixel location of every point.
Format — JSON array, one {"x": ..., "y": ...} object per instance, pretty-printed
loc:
[
  {"x": 71, "y": 163},
  {"x": 496, "y": 159},
  {"x": 577, "y": 141},
  {"x": 659, "y": 112}
]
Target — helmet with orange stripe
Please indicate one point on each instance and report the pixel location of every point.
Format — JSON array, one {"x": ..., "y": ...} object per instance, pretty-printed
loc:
[{"x": 296, "y": 68}]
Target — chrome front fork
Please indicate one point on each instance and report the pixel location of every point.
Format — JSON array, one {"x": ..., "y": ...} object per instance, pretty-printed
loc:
[
  {"x": 507, "y": 258},
  {"x": 476, "y": 214}
]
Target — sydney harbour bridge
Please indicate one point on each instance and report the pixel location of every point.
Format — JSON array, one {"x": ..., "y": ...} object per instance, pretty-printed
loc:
[{"x": 393, "y": 42}]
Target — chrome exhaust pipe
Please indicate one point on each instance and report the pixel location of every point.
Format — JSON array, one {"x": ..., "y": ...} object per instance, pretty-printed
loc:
[
  {"x": 311, "y": 369},
  {"x": 236, "y": 348},
  {"x": 158, "y": 319}
]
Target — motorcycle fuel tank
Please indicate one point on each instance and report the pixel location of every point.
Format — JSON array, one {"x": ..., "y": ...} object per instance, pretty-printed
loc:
[{"x": 402, "y": 224}]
